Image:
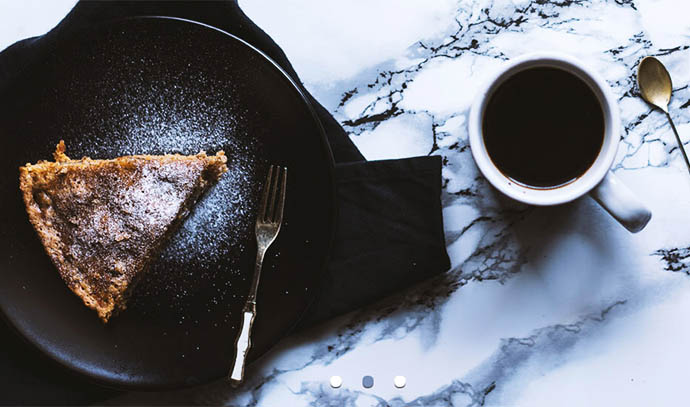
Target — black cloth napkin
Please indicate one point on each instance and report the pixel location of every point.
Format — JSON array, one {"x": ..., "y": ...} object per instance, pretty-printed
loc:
[{"x": 389, "y": 231}]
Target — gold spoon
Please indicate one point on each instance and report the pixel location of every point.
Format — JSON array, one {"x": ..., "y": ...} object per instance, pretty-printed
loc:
[{"x": 655, "y": 84}]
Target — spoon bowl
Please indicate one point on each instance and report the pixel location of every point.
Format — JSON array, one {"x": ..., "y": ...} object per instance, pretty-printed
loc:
[{"x": 654, "y": 82}]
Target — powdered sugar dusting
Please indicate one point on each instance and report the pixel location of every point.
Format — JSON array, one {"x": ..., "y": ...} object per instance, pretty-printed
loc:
[
  {"x": 172, "y": 121},
  {"x": 203, "y": 254},
  {"x": 189, "y": 122},
  {"x": 219, "y": 221},
  {"x": 156, "y": 111}
]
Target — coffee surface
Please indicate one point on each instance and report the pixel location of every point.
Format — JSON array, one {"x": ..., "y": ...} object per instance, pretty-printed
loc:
[{"x": 543, "y": 127}]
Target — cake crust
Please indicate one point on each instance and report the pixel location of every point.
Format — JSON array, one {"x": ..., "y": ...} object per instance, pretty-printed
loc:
[{"x": 102, "y": 222}]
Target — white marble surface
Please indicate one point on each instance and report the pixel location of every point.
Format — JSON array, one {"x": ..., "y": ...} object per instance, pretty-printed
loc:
[{"x": 542, "y": 306}]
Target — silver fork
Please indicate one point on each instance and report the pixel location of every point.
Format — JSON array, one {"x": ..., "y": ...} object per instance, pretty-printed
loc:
[{"x": 268, "y": 223}]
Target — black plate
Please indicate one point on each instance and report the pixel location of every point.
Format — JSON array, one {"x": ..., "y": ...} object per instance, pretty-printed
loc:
[{"x": 158, "y": 85}]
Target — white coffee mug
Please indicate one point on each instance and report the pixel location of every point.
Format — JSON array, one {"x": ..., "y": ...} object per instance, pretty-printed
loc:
[{"x": 598, "y": 180}]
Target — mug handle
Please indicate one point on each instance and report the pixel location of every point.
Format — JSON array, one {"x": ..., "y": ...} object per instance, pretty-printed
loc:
[{"x": 621, "y": 203}]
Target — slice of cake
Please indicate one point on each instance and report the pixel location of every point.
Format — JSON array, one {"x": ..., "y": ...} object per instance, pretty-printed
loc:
[{"x": 102, "y": 222}]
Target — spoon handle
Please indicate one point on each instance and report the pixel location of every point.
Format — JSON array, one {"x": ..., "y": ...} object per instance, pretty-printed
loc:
[{"x": 680, "y": 143}]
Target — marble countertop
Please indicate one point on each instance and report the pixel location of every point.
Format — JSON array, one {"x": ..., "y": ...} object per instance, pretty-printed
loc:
[{"x": 541, "y": 305}]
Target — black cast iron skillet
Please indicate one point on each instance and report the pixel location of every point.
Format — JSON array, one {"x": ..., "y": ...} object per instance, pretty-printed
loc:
[{"x": 155, "y": 85}]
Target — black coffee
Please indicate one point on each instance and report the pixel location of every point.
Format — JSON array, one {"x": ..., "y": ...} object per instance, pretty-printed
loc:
[{"x": 543, "y": 127}]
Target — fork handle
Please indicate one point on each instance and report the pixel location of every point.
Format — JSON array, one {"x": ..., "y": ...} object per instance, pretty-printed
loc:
[{"x": 242, "y": 344}]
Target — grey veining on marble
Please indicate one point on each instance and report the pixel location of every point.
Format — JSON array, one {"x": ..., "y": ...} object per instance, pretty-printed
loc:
[{"x": 542, "y": 306}]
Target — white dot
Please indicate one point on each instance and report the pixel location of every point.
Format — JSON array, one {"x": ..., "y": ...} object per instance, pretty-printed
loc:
[
  {"x": 336, "y": 381},
  {"x": 399, "y": 381}
]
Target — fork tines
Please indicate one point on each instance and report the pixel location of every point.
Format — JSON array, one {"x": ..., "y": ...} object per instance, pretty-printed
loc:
[{"x": 273, "y": 199}]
